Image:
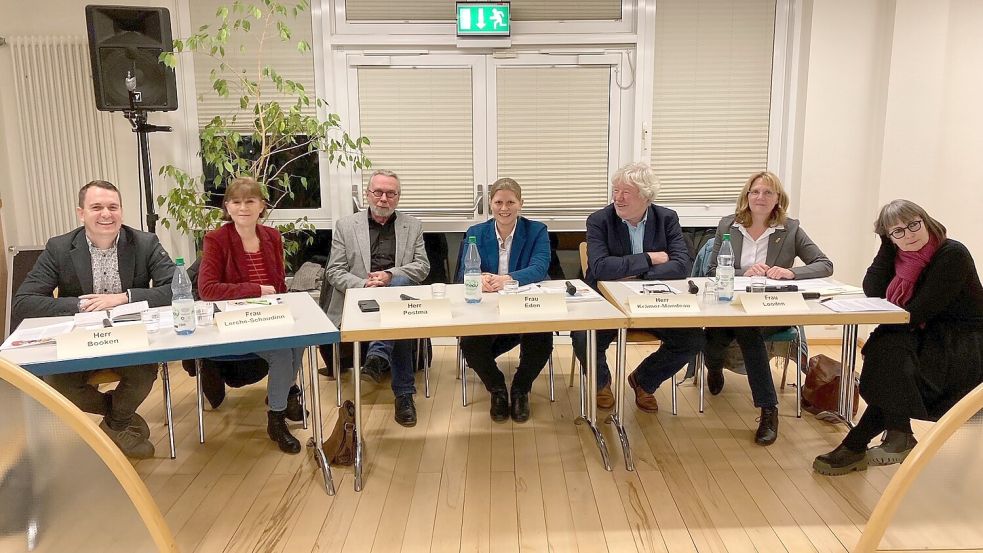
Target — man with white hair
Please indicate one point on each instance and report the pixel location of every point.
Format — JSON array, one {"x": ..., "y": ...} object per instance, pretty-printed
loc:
[
  {"x": 380, "y": 247},
  {"x": 634, "y": 238}
]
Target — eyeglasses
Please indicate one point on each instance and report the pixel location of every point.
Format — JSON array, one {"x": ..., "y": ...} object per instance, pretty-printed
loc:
[
  {"x": 379, "y": 194},
  {"x": 898, "y": 233},
  {"x": 765, "y": 193}
]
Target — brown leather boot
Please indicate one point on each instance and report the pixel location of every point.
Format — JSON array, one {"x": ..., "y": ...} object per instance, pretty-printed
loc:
[
  {"x": 643, "y": 400},
  {"x": 605, "y": 398}
]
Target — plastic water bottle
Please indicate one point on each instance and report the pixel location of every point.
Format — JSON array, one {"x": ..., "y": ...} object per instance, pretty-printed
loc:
[
  {"x": 182, "y": 302},
  {"x": 725, "y": 271},
  {"x": 472, "y": 273}
]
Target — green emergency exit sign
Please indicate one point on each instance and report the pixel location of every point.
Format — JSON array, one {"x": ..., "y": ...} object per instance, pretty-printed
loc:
[{"x": 483, "y": 19}]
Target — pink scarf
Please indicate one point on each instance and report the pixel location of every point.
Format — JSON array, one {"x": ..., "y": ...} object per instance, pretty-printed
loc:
[{"x": 908, "y": 267}]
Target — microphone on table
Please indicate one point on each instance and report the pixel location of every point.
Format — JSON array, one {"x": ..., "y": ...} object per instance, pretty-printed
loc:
[{"x": 693, "y": 288}]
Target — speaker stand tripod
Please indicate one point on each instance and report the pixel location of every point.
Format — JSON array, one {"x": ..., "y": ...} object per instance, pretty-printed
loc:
[{"x": 138, "y": 121}]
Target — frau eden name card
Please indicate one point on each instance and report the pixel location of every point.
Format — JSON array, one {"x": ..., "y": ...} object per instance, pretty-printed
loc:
[
  {"x": 101, "y": 341},
  {"x": 532, "y": 304},
  {"x": 397, "y": 313},
  {"x": 654, "y": 304},
  {"x": 252, "y": 318},
  {"x": 773, "y": 302}
]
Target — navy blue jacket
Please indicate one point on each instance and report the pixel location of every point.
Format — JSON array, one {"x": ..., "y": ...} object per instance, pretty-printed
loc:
[
  {"x": 609, "y": 254},
  {"x": 529, "y": 259}
]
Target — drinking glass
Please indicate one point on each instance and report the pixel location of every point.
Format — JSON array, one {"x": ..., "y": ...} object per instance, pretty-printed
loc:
[{"x": 151, "y": 320}]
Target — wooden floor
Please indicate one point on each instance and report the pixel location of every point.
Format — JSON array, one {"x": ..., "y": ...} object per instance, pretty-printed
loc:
[{"x": 459, "y": 482}]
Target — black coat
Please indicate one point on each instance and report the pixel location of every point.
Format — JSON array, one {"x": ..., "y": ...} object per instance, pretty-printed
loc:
[{"x": 921, "y": 369}]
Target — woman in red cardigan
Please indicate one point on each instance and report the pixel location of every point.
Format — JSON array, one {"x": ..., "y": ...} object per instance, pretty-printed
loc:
[{"x": 244, "y": 259}]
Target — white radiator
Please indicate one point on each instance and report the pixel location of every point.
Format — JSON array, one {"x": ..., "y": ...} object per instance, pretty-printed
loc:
[{"x": 65, "y": 141}]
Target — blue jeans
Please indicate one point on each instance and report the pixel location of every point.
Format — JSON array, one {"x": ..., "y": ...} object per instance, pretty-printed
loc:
[
  {"x": 398, "y": 353},
  {"x": 284, "y": 364},
  {"x": 678, "y": 346}
]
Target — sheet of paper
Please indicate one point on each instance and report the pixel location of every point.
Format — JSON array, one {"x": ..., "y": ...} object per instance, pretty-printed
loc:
[
  {"x": 128, "y": 309},
  {"x": 91, "y": 318},
  {"x": 851, "y": 305},
  {"x": 37, "y": 336}
]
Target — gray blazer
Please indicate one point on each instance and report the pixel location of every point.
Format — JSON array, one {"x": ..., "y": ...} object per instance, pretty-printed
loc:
[
  {"x": 784, "y": 245},
  {"x": 65, "y": 264},
  {"x": 351, "y": 257}
]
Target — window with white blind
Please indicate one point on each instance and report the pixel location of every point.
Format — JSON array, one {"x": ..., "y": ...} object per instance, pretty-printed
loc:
[
  {"x": 282, "y": 55},
  {"x": 552, "y": 136},
  {"x": 712, "y": 96},
  {"x": 443, "y": 10},
  {"x": 419, "y": 120}
]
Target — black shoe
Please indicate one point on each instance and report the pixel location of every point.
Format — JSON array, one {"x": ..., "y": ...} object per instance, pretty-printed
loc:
[
  {"x": 520, "y": 406},
  {"x": 212, "y": 385},
  {"x": 326, "y": 371},
  {"x": 841, "y": 460},
  {"x": 893, "y": 449},
  {"x": 405, "y": 410},
  {"x": 499, "y": 405},
  {"x": 294, "y": 411},
  {"x": 715, "y": 380},
  {"x": 276, "y": 428},
  {"x": 374, "y": 368},
  {"x": 767, "y": 426}
]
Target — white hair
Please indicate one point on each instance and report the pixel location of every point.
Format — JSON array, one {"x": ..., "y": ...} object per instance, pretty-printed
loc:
[{"x": 641, "y": 176}]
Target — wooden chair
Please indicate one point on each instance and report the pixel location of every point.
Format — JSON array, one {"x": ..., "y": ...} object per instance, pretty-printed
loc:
[
  {"x": 632, "y": 336},
  {"x": 947, "y": 460},
  {"x": 55, "y": 432}
]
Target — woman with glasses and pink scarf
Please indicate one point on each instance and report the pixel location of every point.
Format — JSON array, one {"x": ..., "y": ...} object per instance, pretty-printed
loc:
[{"x": 920, "y": 369}]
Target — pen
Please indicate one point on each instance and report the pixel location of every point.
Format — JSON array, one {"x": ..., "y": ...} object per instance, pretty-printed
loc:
[{"x": 824, "y": 300}]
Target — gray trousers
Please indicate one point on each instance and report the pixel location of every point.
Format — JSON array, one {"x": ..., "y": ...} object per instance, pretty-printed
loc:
[{"x": 117, "y": 406}]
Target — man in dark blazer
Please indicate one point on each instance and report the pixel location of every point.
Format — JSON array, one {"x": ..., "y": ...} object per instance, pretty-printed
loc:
[
  {"x": 95, "y": 267},
  {"x": 634, "y": 238}
]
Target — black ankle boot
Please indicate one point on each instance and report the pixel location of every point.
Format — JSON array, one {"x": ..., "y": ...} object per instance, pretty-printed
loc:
[
  {"x": 841, "y": 460},
  {"x": 294, "y": 411},
  {"x": 767, "y": 426},
  {"x": 276, "y": 428},
  {"x": 715, "y": 380},
  {"x": 520, "y": 406},
  {"x": 499, "y": 405},
  {"x": 893, "y": 449}
]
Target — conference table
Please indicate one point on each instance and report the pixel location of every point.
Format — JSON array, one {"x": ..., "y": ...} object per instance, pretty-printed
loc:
[
  {"x": 477, "y": 319},
  {"x": 715, "y": 314},
  {"x": 310, "y": 327}
]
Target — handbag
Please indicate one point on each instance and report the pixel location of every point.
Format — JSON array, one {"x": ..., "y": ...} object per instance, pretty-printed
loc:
[
  {"x": 340, "y": 445},
  {"x": 821, "y": 391}
]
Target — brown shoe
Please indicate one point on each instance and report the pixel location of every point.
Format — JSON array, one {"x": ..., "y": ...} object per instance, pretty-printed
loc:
[
  {"x": 605, "y": 398},
  {"x": 644, "y": 400}
]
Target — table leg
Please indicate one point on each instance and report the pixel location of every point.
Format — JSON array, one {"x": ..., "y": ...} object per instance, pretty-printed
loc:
[
  {"x": 317, "y": 442},
  {"x": 357, "y": 377},
  {"x": 168, "y": 412},
  {"x": 619, "y": 402},
  {"x": 201, "y": 405},
  {"x": 591, "y": 401},
  {"x": 336, "y": 369},
  {"x": 848, "y": 362},
  {"x": 701, "y": 376}
]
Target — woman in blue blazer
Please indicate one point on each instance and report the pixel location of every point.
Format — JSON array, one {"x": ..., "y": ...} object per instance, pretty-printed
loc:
[{"x": 511, "y": 248}]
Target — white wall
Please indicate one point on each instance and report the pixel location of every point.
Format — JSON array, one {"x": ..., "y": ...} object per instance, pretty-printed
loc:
[
  {"x": 892, "y": 110},
  {"x": 67, "y": 18}
]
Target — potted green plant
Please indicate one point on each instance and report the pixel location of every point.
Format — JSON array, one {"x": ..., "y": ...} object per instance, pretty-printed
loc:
[{"x": 279, "y": 134}]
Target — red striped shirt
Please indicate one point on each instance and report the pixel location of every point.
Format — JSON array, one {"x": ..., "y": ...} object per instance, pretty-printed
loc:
[{"x": 256, "y": 269}]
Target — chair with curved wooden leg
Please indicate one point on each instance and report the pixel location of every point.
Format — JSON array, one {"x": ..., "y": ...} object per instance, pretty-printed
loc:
[
  {"x": 69, "y": 487},
  {"x": 933, "y": 501}
]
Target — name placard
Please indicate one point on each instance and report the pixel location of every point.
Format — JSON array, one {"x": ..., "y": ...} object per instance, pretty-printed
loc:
[
  {"x": 86, "y": 342},
  {"x": 252, "y": 318},
  {"x": 395, "y": 313},
  {"x": 773, "y": 302},
  {"x": 532, "y": 304},
  {"x": 651, "y": 304}
]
